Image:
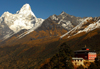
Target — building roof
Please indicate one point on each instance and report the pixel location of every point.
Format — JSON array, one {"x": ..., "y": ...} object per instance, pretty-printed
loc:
[
  {"x": 84, "y": 51},
  {"x": 75, "y": 58},
  {"x": 84, "y": 47}
]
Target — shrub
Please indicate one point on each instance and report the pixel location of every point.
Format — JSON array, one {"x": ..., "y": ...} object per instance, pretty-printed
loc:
[{"x": 80, "y": 67}]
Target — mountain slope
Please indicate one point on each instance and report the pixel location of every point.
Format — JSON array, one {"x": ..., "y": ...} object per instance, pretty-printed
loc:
[
  {"x": 90, "y": 39},
  {"x": 32, "y": 53},
  {"x": 86, "y": 33}
]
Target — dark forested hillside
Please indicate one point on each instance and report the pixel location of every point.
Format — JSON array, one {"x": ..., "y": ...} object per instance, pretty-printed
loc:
[{"x": 61, "y": 60}]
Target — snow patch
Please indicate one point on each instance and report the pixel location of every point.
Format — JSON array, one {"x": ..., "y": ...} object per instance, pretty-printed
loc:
[{"x": 54, "y": 17}]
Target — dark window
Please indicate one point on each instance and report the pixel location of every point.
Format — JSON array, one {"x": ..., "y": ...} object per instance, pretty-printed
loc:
[
  {"x": 77, "y": 60},
  {"x": 81, "y": 60}
]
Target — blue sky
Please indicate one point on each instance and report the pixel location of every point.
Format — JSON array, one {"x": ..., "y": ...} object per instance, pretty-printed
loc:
[{"x": 45, "y": 8}]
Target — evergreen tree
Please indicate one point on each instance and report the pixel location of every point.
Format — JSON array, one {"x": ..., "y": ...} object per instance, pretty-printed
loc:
[
  {"x": 92, "y": 66},
  {"x": 62, "y": 60},
  {"x": 97, "y": 62},
  {"x": 65, "y": 53}
]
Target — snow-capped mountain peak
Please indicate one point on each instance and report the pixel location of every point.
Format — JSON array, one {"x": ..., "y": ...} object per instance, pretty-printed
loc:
[
  {"x": 23, "y": 19},
  {"x": 26, "y": 10}
]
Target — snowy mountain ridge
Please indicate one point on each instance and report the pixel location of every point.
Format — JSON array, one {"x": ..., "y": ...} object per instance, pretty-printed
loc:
[
  {"x": 87, "y": 25},
  {"x": 66, "y": 21}
]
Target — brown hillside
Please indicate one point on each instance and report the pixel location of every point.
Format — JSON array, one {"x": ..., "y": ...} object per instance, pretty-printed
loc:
[{"x": 30, "y": 51}]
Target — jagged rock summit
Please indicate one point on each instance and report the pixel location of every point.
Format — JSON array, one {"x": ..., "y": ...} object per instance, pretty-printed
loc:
[{"x": 66, "y": 21}]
